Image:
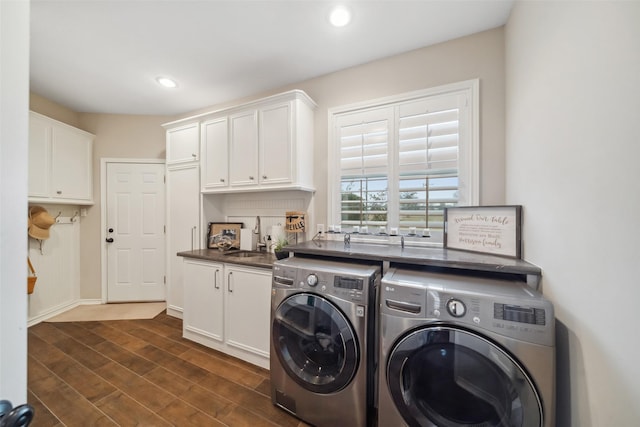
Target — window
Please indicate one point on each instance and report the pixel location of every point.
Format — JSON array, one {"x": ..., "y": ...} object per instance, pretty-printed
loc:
[{"x": 398, "y": 162}]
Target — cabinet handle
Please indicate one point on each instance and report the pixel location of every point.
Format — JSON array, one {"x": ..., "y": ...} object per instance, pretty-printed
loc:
[
  {"x": 59, "y": 192},
  {"x": 193, "y": 155},
  {"x": 264, "y": 176},
  {"x": 215, "y": 279},
  {"x": 251, "y": 178},
  {"x": 221, "y": 179},
  {"x": 229, "y": 281}
]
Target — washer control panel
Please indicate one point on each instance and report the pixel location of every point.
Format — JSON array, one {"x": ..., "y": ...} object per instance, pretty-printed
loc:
[{"x": 353, "y": 282}]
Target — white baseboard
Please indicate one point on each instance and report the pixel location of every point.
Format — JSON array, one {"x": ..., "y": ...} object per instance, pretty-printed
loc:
[
  {"x": 174, "y": 311},
  {"x": 60, "y": 309}
]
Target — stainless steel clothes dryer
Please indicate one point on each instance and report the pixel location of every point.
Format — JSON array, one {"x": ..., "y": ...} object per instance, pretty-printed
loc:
[
  {"x": 323, "y": 340},
  {"x": 464, "y": 351}
]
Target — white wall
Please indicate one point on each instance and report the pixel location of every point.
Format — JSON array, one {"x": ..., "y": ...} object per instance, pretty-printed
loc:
[
  {"x": 57, "y": 264},
  {"x": 572, "y": 152},
  {"x": 14, "y": 98}
]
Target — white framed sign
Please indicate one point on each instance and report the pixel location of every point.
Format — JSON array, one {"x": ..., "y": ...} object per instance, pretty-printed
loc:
[{"x": 493, "y": 230}]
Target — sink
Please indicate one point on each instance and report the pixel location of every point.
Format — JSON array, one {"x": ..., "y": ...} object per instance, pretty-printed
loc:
[{"x": 244, "y": 254}]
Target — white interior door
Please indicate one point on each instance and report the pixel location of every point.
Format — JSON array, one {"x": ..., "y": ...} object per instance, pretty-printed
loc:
[{"x": 135, "y": 232}]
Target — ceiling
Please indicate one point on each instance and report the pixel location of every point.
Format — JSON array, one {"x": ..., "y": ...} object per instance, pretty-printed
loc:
[{"x": 103, "y": 56}]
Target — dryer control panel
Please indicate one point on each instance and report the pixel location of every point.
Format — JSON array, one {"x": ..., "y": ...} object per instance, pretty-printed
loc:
[{"x": 508, "y": 308}]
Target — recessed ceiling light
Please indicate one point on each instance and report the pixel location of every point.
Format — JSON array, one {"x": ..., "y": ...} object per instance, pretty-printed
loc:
[
  {"x": 340, "y": 16},
  {"x": 167, "y": 82}
]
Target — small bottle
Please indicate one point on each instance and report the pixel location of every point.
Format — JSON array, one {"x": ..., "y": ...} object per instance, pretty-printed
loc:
[{"x": 269, "y": 244}]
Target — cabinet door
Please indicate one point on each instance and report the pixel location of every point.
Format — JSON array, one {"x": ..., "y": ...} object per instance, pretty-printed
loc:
[
  {"x": 243, "y": 169},
  {"x": 183, "y": 227},
  {"x": 203, "y": 300},
  {"x": 71, "y": 153},
  {"x": 215, "y": 159},
  {"x": 39, "y": 157},
  {"x": 275, "y": 144},
  {"x": 183, "y": 144},
  {"x": 247, "y": 309}
]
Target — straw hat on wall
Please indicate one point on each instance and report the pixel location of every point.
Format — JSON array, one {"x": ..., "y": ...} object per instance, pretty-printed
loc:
[{"x": 39, "y": 222}]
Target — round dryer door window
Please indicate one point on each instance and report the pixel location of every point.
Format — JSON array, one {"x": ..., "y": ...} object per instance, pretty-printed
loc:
[
  {"x": 315, "y": 343},
  {"x": 449, "y": 377}
]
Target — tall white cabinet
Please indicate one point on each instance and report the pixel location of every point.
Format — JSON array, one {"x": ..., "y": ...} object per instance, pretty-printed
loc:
[
  {"x": 60, "y": 162},
  {"x": 183, "y": 206}
]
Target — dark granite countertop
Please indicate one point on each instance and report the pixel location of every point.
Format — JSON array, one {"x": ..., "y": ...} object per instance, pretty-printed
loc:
[
  {"x": 429, "y": 256},
  {"x": 261, "y": 260},
  {"x": 393, "y": 254}
]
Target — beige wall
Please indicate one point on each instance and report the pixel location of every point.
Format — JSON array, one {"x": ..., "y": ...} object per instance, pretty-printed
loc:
[
  {"x": 573, "y": 73},
  {"x": 56, "y": 111},
  {"x": 117, "y": 136},
  {"x": 477, "y": 56}
]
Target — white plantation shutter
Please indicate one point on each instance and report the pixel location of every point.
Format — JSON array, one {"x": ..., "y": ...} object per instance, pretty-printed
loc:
[
  {"x": 428, "y": 136},
  {"x": 428, "y": 147},
  {"x": 400, "y": 161},
  {"x": 364, "y": 166},
  {"x": 364, "y": 143}
]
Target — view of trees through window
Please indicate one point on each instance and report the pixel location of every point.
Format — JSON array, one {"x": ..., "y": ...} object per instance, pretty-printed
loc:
[{"x": 364, "y": 201}]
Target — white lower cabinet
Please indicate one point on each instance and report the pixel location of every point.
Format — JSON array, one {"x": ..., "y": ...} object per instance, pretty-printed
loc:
[
  {"x": 227, "y": 308},
  {"x": 203, "y": 315}
]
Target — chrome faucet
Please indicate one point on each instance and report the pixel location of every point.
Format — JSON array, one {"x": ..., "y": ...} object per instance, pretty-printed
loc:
[{"x": 257, "y": 231}]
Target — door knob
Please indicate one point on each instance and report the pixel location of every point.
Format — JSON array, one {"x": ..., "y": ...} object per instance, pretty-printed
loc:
[{"x": 109, "y": 240}]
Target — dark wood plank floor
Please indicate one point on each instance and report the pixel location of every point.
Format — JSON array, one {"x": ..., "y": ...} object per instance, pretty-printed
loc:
[{"x": 141, "y": 373}]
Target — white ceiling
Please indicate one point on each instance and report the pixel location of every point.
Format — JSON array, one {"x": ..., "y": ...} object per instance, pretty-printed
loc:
[{"x": 103, "y": 56}]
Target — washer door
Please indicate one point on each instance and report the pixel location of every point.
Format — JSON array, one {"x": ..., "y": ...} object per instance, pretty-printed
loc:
[
  {"x": 315, "y": 343},
  {"x": 449, "y": 377}
]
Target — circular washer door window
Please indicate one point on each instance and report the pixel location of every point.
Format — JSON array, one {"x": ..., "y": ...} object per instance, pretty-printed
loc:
[
  {"x": 315, "y": 343},
  {"x": 448, "y": 377}
]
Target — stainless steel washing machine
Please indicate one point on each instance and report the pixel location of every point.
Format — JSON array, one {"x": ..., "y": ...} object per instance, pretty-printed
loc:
[
  {"x": 323, "y": 340},
  {"x": 464, "y": 351}
]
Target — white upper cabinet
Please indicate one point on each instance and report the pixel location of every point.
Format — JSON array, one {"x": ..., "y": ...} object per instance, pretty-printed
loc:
[
  {"x": 183, "y": 144},
  {"x": 243, "y": 168},
  {"x": 264, "y": 145},
  {"x": 276, "y": 150},
  {"x": 214, "y": 152},
  {"x": 272, "y": 144},
  {"x": 60, "y": 162}
]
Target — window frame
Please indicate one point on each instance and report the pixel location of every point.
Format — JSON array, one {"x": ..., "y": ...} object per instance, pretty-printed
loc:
[{"x": 469, "y": 142}]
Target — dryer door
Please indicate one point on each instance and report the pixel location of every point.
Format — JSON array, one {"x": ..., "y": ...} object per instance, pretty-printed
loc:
[
  {"x": 449, "y": 377},
  {"x": 315, "y": 343}
]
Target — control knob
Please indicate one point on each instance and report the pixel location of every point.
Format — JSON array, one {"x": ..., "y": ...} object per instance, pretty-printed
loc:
[
  {"x": 312, "y": 280},
  {"x": 456, "y": 308}
]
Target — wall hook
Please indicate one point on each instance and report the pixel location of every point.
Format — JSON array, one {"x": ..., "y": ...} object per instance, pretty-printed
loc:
[{"x": 75, "y": 215}]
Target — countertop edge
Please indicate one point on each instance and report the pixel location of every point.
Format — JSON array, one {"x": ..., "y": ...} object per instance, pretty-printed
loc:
[{"x": 261, "y": 261}]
